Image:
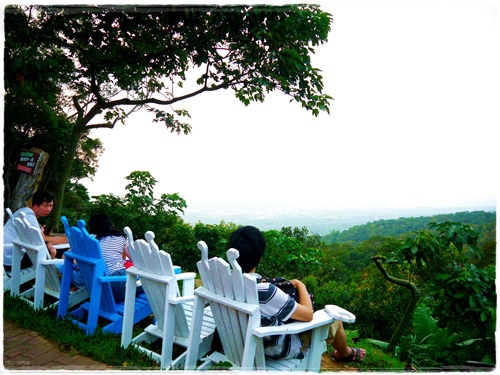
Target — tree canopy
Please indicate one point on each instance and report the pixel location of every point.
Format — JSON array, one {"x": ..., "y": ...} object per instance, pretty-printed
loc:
[{"x": 112, "y": 60}]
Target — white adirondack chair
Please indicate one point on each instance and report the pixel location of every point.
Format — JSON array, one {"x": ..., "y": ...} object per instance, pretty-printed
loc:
[
  {"x": 233, "y": 298},
  {"x": 47, "y": 281},
  {"x": 172, "y": 311},
  {"x": 26, "y": 274}
]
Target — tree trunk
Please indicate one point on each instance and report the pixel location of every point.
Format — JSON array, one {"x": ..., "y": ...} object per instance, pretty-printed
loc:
[
  {"x": 28, "y": 183},
  {"x": 407, "y": 317},
  {"x": 415, "y": 296},
  {"x": 55, "y": 219}
]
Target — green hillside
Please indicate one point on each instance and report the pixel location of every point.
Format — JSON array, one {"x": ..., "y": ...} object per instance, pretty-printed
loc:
[{"x": 482, "y": 221}]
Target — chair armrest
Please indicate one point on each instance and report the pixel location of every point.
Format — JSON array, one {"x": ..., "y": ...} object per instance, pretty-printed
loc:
[
  {"x": 209, "y": 296},
  {"x": 179, "y": 300},
  {"x": 61, "y": 246},
  {"x": 112, "y": 279},
  {"x": 160, "y": 278},
  {"x": 52, "y": 261},
  {"x": 338, "y": 313},
  {"x": 320, "y": 318},
  {"x": 185, "y": 276}
]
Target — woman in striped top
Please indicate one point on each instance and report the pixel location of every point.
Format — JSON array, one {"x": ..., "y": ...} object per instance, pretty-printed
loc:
[{"x": 114, "y": 247}]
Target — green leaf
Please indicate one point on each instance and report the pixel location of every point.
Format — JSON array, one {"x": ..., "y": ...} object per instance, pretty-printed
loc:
[
  {"x": 472, "y": 302},
  {"x": 423, "y": 323},
  {"x": 484, "y": 317},
  {"x": 468, "y": 342}
]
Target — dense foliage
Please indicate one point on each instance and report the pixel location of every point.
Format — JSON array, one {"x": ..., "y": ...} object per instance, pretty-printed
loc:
[
  {"x": 34, "y": 114},
  {"x": 437, "y": 263},
  {"x": 451, "y": 264}
]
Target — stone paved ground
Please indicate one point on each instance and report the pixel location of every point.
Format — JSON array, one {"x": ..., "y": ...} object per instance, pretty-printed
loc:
[{"x": 27, "y": 350}]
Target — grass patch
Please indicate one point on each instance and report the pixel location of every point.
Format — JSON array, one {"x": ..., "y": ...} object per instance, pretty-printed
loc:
[
  {"x": 106, "y": 347},
  {"x": 102, "y": 347},
  {"x": 375, "y": 360},
  {"x": 378, "y": 360}
]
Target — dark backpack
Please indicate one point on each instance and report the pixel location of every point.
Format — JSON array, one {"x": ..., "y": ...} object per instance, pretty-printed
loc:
[{"x": 287, "y": 287}]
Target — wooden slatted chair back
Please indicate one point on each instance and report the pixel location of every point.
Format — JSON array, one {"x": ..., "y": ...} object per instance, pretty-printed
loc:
[
  {"x": 172, "y": 309},
  {"x": 148, "y": 258},
  {"x": 26, "y": 274},
  {"x": 65, "y": 222},
  {"x": 235, "y": 324},
  {"x": 9, "y": 213},
  {"x": 89, "y": 258},
  {"x": 86, "y": 251},
  {"x": 30, "y": 239}
]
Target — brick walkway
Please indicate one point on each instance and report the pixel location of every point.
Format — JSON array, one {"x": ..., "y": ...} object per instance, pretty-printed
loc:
[{"x": 27, "y": 350}]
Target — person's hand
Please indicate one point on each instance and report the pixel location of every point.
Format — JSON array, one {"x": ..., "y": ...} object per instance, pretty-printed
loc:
[{"x": 46, "y": 230}]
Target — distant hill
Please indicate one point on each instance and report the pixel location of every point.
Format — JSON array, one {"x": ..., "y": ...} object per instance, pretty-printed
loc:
[
  {"x": 480, "y": 220},
  {"x": 318, "y": 221}
]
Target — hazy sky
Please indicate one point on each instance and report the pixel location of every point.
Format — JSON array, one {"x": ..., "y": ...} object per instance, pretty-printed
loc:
[{"x": 415, "y": 122}]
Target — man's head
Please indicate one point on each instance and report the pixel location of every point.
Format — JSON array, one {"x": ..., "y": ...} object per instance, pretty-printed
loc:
[
  {"x": 42, "y": 203},
  {"x": 251, "y": 245}
]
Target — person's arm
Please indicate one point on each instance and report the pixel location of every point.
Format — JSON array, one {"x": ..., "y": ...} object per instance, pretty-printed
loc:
[
  {"x": 304, "y": 310},
  {"x": 126, "y": 252},
  {"x": 54, "y": 240},
  {"x": 52, "y": 250}
]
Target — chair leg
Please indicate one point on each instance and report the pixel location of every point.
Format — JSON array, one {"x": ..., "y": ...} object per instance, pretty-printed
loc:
[
  {"x": 93, "y": 312},
  {"x": 128, "y": 316},
  {"x": 168, "y": 336},
  {"x": 194, "y": 334},
  {"x": 39, "y": 286},
  {"x": 317, "y": 348}
]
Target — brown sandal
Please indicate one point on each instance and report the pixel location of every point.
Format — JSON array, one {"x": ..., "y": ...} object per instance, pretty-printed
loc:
[{"x": 355, "y": 356}]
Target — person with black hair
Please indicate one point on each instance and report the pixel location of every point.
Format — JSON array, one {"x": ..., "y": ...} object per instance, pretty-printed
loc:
[
  {"x": 277, "y": 307},
  {"x": 41, "y": 205},
  {"x": 114, "y": 247}
]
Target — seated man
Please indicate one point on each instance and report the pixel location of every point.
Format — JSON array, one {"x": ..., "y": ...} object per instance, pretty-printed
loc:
[
  {"x": 277, "y": 307},
  {"x": 41, "y": 206}
]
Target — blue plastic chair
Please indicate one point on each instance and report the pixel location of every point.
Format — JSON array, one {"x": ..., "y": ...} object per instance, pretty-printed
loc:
[{"x": 86, "y": 251}]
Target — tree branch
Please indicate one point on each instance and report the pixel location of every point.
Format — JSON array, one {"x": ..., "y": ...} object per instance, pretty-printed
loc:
[
  {"x": 108, "y": 125},
  {"x": 93, "y": 86},
  {"x": 140, "y": 102},
  {"x": 415, "y": 295},
  {"x": 78, "y": 108},
  {"x": 98, "y": 107},
  {"x": 401, "y": 282},
  {"x": 111, "y": 125}
]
